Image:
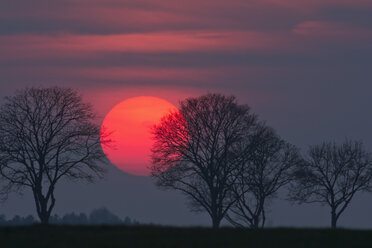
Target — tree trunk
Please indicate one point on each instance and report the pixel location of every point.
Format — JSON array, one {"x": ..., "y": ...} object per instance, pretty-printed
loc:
[
  {"x": 43, "y": 212},
  {"x": 44, "y": 218},
  {"x": 216, "y": 217},
  {"x": 44, "y": 205},
  {"x": 333, "y": 219},
  {"x": 254, "y": 224},
  {"x": 263, "y": 218},
  {"x": 216, "y": 222}
]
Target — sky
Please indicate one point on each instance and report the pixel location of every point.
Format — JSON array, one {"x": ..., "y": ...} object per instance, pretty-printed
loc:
[{"x": 303, "y": 66}]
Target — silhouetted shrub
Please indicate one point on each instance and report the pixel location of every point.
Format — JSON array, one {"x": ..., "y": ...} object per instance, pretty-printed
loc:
[{"x": 101, "y": 216}]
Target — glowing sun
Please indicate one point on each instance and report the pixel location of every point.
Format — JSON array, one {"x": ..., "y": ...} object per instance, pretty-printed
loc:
[{"x": 129, "y": 125}]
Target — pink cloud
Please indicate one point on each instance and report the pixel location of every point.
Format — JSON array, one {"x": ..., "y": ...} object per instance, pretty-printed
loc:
[{"x": 44, "y": 46}]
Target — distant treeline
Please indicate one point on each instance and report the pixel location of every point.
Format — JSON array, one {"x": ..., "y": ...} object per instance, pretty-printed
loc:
[{"x": 101, "y": 216}]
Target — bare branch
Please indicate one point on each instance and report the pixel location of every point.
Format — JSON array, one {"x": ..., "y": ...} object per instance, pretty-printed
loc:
[
  {"x": 47, "y": 134},
  {"x": 267, "y": 167},
  {"x": 332, "y": 175},
  {"x": 195, "y": 151}
]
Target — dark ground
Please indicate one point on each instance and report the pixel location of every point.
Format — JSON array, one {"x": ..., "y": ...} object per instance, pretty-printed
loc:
[{"x": 152, "y": 236}]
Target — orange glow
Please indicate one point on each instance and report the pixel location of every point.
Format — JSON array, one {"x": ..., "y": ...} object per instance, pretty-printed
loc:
[{"x": 129, "y": 125}]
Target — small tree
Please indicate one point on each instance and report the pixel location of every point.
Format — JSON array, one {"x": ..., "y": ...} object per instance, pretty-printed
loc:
[
  {"x": 332, "y": 174},
  {"x": 47, "y": 134},
  {"x": 195, "y": 151},
  {"x": 268, "y": 167}
]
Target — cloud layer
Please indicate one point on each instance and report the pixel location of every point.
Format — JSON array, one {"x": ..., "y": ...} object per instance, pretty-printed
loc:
[{"x": 270, "y": 48}]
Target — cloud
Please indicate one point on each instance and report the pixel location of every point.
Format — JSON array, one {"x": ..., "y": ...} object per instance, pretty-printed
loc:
[
  {"x": 17, "y": 47},
  {"x": 98, "y": 17},
  {"x": 191, "y": 42},
  {"x": 331, "y": 29}
]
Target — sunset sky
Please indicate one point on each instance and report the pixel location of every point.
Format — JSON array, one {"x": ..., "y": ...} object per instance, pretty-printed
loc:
[{"x": 304, "y": 66}]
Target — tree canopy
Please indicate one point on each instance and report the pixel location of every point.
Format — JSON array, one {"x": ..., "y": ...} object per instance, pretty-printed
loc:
[
  {"x": 47, "y": 134},
  {"x": 198, "y": 151}
]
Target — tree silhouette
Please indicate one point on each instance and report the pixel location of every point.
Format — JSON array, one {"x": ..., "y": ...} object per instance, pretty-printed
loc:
[
  {"x": 195, "y": 151},
  {"x": 100, "y": 216},
  {"x": 3, "y": 221},
  {"x": 47, "y": 134},
  {"x": 332, "y": 174},
  {"x": 268, "y": 167},
  {"x": 103, "y": 216},
  {"x": 74, "y": 219}
]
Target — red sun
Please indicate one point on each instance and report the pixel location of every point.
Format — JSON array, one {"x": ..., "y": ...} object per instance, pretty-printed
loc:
[{"x": 129, "y": 127}]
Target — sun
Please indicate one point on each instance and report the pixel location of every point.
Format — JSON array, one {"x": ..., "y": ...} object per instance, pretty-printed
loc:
[{"x": 129, "y": 125}]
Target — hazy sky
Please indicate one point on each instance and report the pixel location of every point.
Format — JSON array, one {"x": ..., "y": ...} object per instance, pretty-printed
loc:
[{"x": 303, "y": 66}]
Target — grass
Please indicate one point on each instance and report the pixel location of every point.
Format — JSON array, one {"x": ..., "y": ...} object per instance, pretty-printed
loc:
[{"x": 164, "y": 237}]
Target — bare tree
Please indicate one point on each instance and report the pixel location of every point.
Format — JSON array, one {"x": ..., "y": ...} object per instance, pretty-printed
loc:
[
  {"x": 268, "y": 167},
  {"x": 195, "y": 151},
  {"x": 47, "y": 134},
  {"x": 332, "y": 174}
]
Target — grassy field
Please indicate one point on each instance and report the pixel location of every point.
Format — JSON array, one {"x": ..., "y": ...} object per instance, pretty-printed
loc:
[{"x": 153, "y": 237}]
